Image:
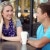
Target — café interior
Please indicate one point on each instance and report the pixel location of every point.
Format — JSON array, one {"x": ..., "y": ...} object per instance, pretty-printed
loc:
[{"x": 25, "y": 10}]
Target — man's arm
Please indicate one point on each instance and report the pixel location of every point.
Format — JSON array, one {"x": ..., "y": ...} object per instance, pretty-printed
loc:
[{"x": 39, "y": 43}]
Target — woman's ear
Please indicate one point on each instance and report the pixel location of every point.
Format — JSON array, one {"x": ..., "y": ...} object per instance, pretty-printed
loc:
[{"x": 2, "y": 14}]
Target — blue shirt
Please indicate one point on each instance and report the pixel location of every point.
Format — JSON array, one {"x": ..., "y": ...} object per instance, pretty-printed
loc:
[
  {"x": 41, "y": 33},
  {"x": 11, "y": 31}
]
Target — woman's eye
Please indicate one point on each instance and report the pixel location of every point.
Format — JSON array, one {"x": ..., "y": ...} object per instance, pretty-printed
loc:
[
  {"x": 7, "y": 11},
  {"x": 11, "y": 10}
]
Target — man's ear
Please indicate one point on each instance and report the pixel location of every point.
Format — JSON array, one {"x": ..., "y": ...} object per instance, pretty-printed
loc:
[{"x": 45, "y": 15}]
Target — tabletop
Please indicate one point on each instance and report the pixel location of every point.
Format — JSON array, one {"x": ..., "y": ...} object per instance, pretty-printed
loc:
[{"x": 15, "y": 46}]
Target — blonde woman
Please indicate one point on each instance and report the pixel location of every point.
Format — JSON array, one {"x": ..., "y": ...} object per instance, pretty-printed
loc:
[{"x": 11, "y": 26}]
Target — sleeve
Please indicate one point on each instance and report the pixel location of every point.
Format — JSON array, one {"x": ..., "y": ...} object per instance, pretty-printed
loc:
[
  {"x": 47, "y": 34},
  {"x": 18, "y": 23}
]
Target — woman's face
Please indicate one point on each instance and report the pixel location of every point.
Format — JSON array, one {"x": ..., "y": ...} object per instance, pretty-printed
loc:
[
  {"x": 7, "y": 12},
  {"x": 40, "y": 15}
]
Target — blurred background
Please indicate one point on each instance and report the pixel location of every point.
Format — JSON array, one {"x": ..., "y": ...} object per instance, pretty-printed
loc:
[{"x": 25, "y": 10}]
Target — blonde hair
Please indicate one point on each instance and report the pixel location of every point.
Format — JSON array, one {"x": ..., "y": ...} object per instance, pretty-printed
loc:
[{"x": 2, "y": 5}]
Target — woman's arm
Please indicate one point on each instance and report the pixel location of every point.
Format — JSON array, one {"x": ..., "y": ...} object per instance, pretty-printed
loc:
[
  {"x": 39, "y": 43},
  {"x": 1, "y": 24},
  {"x": 0, "y": 31},
  {"x": 16, "y": 38}
]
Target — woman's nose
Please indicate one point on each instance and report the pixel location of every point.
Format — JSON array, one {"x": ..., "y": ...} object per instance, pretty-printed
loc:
[{"x": 10, "y": 12}]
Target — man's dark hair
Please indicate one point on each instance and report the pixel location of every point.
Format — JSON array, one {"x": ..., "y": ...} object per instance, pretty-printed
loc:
[{"x": 45, "y": 7}]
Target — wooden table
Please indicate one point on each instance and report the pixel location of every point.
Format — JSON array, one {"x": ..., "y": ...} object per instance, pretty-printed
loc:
[{"x": 15, "y": 46}]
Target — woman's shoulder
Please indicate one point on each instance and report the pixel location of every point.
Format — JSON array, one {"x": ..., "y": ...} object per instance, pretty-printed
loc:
[
  {"x": 18, "y": 23},
  {"x": 18, "y": 20}
]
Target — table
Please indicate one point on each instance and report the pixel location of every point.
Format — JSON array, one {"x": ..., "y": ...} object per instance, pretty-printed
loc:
[{"x": 15, "y": 46}]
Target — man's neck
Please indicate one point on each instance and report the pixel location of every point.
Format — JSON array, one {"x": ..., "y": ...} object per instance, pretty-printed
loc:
[{"x": 46, "y": 24}]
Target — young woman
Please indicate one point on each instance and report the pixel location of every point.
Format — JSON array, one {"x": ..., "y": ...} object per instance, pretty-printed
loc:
[
  {"x": 10, "y": 26},
  {"x": 43, "y": 31}
]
